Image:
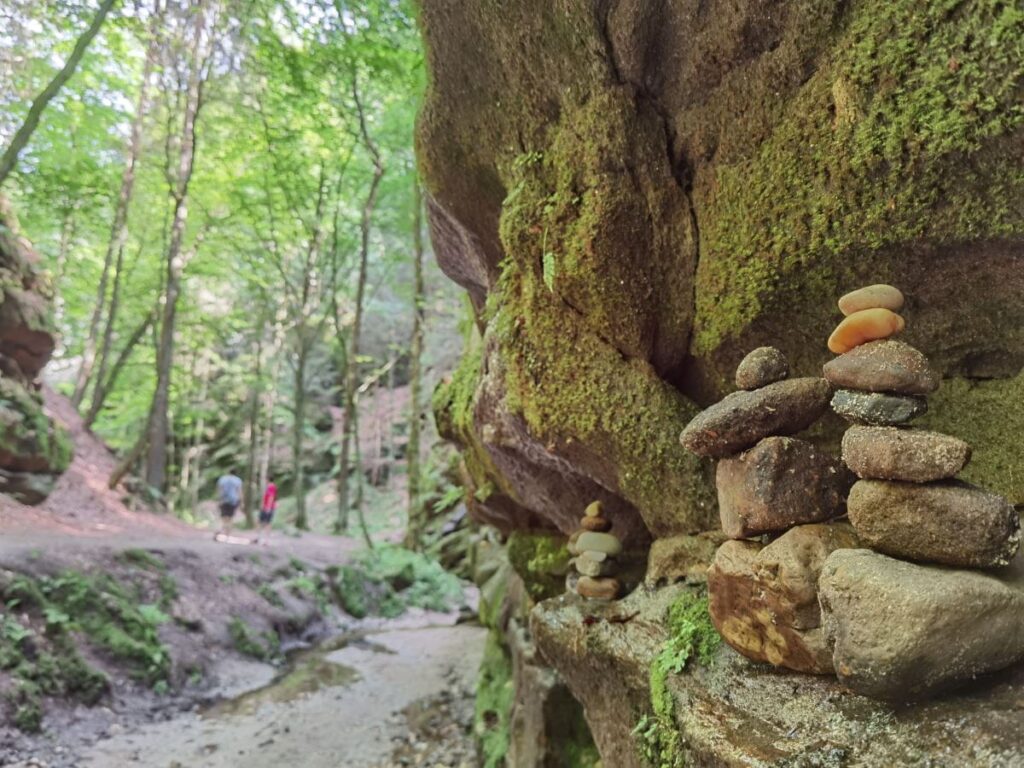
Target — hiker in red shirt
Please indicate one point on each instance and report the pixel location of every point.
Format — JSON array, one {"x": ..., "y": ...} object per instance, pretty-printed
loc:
[{"x": 267, "y": 510}]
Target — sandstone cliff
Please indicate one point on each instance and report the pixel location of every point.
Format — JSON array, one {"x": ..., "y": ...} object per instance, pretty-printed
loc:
[{"x": 33, "y": 450}]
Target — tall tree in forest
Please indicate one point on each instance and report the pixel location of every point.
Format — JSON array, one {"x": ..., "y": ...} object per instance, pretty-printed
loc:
[
  {"x": 416, "y": 510},
  {"x": 10, "y": 156},
  {"x": 351, "y": 427},
  {"x": 191, "y": 80},
  {"x": 114, "y": 256}
]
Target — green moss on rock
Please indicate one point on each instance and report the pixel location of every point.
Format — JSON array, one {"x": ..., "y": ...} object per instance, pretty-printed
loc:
[
  {"x": 29, "y": 440},
  {"x": 613, "y": 415},
  {"x": 541, "y": 560},
  {"x": 988, "y": 415},
  {"x": 895, "y": 138},
  {"x": 691, "y": 636}
]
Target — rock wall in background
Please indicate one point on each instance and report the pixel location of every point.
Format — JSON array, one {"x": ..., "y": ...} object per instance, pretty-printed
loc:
[{"x": 33, "y": 450}]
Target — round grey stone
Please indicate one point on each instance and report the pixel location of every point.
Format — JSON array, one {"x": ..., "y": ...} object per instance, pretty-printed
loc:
[{"x": 761, "y": 367}]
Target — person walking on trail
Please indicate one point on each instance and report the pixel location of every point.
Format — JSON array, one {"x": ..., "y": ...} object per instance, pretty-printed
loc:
[
  {"x": 267, "y": 510},
  {"x": 229, "y": 494}
]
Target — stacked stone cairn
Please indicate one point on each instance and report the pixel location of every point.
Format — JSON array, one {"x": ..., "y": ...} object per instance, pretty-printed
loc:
[
  {"x": 594, "y": 551},
  {"x": 893, "y": 601},
  {"x": 952, "y": 623},
  {"x": 906, "y": 502},
  {"x": 763, "y": 594}
]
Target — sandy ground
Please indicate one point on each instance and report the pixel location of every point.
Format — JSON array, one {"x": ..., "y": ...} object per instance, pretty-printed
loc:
[{"x": 349, "y": 725}]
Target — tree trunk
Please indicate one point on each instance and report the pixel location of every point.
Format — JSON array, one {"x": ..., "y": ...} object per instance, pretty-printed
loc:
[
  {"x": 416, "y": 511},
  {"x": 119, "y": 229},
  {"x": 105, "y": 384},
  {"x": 298, "y": 428},
  {"x": 158, "y": 427},
  {"x": 251, "y": 481},
  {"x": 67, "y": 235},
  {"x": 20, "y": 140},
  {"x": 352, "y": 359},
  {"x": 267, "y": 450}
]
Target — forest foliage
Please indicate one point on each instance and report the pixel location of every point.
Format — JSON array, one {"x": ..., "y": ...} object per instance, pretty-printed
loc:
[{"x": 225, "y": 196}]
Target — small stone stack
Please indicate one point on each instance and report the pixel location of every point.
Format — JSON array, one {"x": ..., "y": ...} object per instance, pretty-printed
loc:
[
  {"x": 763, "y": 599},
  {"x": 595, "y": 550},
  {"x": 907, "y": 503}
]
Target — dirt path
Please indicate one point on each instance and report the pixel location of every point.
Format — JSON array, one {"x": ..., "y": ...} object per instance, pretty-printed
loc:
[{"x": 347, "y": 723}]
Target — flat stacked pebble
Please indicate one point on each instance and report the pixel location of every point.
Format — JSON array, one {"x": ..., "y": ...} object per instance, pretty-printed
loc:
[
  {"x": 907, "y": 503},
  {"x": 770, "y": 483},
  {"x": 595, "y": 551}
]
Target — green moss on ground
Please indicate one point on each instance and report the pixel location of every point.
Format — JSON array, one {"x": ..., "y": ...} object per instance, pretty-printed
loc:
[
  {"x": 541, "y": 560},
  {"x": 265, "y": 646},
  {"x": 895, "y": 138},
  {"x": 387, "y": 581},
  {"x": 494, "y": 695},
  {"x": 109, "y": 613},
  {"x": 44, "y": 664},
  {"x": 691, "y": 635}
]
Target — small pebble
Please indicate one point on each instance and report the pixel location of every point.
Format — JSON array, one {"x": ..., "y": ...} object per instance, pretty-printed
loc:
[
  {"x": 879, "y": 296},
  {"x": 598, "y": 542},
  {"x": 761, "y": 367},
  {"x": 587, "y": 567},
  {"x": 598, "y": 524},
  {"x": 594, "y": 509},
  {"x": 864, "y": 326}
]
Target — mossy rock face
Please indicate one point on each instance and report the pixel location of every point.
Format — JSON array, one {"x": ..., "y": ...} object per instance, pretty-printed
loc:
[
  {"x": 637, "y": 194},
  {"x": 34, "y": 450}
]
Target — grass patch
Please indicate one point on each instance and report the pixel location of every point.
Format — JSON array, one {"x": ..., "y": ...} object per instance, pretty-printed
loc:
[
  {"x": 265, "y": 646},
  {"x": 389, "y": 580},
  {"x": 111, "y": 614},
  {"x": 141, "y": 558},
  {"x": 43, "y": 666}
]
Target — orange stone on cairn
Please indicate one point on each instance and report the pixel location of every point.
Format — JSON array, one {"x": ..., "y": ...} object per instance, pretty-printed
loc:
[{"x": 864, "y": 326}]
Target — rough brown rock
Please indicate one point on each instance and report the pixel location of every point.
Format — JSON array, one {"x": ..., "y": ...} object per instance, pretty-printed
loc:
[
  {"x": 779, "y": 483},
  {"x": 736, "y": 714},
  {"x": 883, "y": 366},
  {"x": 741, "y": 419},
  {"x": 595, "y": 588},
  {"x": 902, "y": 631},
  {"x": 914, "y": 455},
  {"x": 764, "y": 600},
  {"x": 877, "y": 408},
  {"x": 682, "y": 558},
  {"x": 761, "y": 367},
  {"x": 952, "y": 523},
  {"x": 26, "y": 321}
]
